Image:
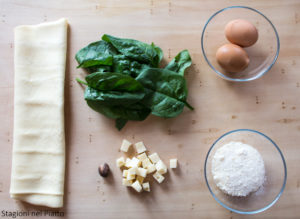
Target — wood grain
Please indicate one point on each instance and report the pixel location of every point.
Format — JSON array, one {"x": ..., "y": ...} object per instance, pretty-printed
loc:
[{"x": 270, "y": 104}]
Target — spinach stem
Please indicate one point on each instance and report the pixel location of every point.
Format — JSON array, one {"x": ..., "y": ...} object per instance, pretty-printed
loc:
[
  {"x": 189, "y": 106},
  {"x": 81, "y": 82}
]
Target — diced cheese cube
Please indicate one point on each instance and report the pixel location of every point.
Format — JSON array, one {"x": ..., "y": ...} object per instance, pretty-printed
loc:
[
  {"x": 140, "y": 147},
  {"x": 161, "y": 167},
  {"x": 132, "y": 171},
  {"x": 146, "y": 186},
  {"x": 141, "y": 172},
  {"x": 125, "y": 173},
  {"x": 128, "y": 162},
  {"x": 146, "y": 163},
  {"x": 140, "y": 179},
  {"x": 173, "y": 163},
  {"x": 159, "y": 178},
  {"x": 130, "y": 177},
  {"x": 142, "y": 156},
  {"x": 137, "y": 186},
  {"x": 135, "y": 162},
  {"x": 125, "y": 145},
  {"x": 120, "y": 162},
  {"x": 151, "y": 168},
  {"x": 126, "y": 182},
  {"x": 154, "y": 158}
]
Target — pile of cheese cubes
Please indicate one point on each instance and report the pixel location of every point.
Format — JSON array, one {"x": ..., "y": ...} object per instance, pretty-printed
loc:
[{"x": 137, "y": 168}]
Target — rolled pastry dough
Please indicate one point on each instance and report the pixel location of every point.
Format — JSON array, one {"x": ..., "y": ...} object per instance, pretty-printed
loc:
[{"x": 38, "y": 164}]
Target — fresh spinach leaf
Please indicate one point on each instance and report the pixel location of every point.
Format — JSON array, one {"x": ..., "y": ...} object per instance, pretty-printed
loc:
[
  {"x": 181, "y": 61},
  {"x": 99, "y": 68},
  {"x": 159, "y": 56},
  {"x": 96, "y": 53},
  {"x": 162, "y": 105},
  {"x": 121, "y": 64},
  {"x": 124, "y": 65},
  {"x": 136, "y": 50},
  {"x": 113, "y": 98},
  {"x": 108, "y": 81},
  {"x": 136, "y": 68},
  {"x": 165, "y": 90},
  {"x": 136, "y": 111},
  {"x": 120, "y": 123},
  {"x": 125, "y": 82},
  {"x": 113, "y": 89}
]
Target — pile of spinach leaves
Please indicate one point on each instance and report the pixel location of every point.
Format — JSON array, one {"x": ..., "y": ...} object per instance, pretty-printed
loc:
[{"x": 126, "y": 83}]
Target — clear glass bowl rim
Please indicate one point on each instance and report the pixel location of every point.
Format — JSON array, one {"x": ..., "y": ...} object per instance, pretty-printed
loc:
[
  {"x": 282, "y": 187},
  {"x": 237, "y": 79}
]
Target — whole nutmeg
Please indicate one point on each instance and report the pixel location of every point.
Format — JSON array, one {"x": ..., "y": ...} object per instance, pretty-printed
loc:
[{"x": 103, "y": 170}]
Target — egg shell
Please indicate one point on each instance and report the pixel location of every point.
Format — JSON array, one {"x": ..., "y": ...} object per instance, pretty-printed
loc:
[
  {"x": 232, "y": 58},
  {"x": 241, "y": 32}
]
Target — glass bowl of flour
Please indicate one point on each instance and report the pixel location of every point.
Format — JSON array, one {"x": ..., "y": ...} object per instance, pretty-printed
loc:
[{"x": 245, "y": 171}]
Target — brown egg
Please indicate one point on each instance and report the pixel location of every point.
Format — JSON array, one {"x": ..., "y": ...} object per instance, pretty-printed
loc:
[
  {"x": 241, "y": 32},
  {"x": 232, "y": 58}
]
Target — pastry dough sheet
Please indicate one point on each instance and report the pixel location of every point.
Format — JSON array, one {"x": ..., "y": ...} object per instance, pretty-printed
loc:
[{"x": 38, "y": 164}]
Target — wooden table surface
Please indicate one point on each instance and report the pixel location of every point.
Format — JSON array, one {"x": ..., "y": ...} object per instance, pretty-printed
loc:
[{"x": 270, "y": 104}]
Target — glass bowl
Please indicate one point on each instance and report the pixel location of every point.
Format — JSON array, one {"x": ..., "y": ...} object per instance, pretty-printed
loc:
[
  {"x": 275, "y": 167},
  {"x": 263, "y": 54}
]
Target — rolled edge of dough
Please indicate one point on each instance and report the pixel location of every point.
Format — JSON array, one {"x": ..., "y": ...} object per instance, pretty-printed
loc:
[{"x": 52, "y": 201}]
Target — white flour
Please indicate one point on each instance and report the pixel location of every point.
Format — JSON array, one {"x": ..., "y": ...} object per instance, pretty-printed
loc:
[{"x": 238, "y": 169}]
